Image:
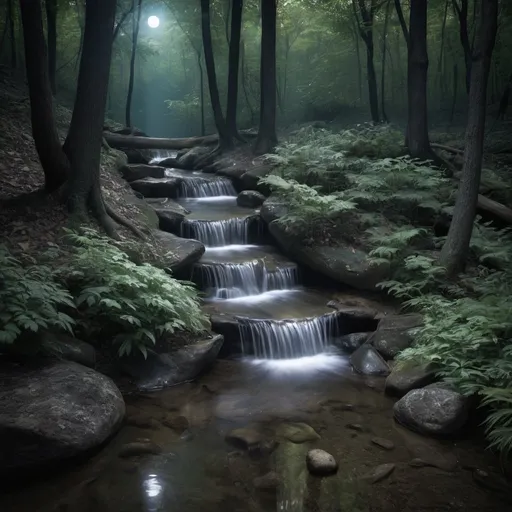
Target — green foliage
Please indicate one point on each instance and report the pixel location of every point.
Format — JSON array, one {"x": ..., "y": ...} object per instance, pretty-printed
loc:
[
  {"x": 30, "y": 299},
  {"x": 138, "y": 303}
]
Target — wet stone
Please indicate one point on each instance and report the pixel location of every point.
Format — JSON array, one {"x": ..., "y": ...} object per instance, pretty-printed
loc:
[
  {"x": 367, "y": 360},
  {"x": 139, "y": 448},
  {"x": 355, "y": 426},
  {"x": 321, "y": 463},
  {"x": 268, "y": 481},
  {"x": 244, "y": 438},
  {"x": 383, "y": 443},
  {"x": 142, "y": 421},
  {"x": 298, "y": 432},
  {"x": 179, "y": 423},
  {"x": 380, "y": 473}
]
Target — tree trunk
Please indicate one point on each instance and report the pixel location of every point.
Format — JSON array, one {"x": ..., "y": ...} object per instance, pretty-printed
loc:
[
  {"x": 201, "y": 91},
  {"x": 83, "y": 145},
  {"x": 442, "y": 84},
  {"x": 505, "y": 98},
  {"x": 403, "y": 24},
  {"x": 51, "y": 20},
  {"x": 121, "y": 22},
  {"x": 417, "y": 69},
  {"x": 12, "y": 33},
  {"x": 4, "y": 31},
  {"x": 225, "y": 141},
  {"x": 267, "y": 136},
  {"x": 44, "y": 130},
  {"x": 455, "y": 88},
  {"x": 135, "y": 37},
  {"x": 383, "y": 71},
  {"x": 455, "y": 250},
  {"x": 462, "y": 14},
  {"x": 244, "y": 85},
  {"x": 358, "y": 58},
  {"x": 234, "y": 64}
]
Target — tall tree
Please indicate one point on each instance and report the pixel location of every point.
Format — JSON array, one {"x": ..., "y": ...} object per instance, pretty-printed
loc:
[
  {"x": 267, "y": 135},
  {"x": 456, "y": 247},
  {"x": 401, "y": 19},
  {"x": 417, "y": 69},
  {"x": 462, "y": 14},
  {"x": 225, "y": 140},
  {"x": 234, "y": 66},
  {"x": 51, "y": 21},
  {"x": 365, "y": 17},
  {"x": 44, "y": 130},
  {"x": 135, "y": 38},
  {"x": 383, "y": 68},
  {"x": 12, "y": 33}
]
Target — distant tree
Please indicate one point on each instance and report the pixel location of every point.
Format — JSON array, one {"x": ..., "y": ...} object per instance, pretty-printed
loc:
[
  {"x": 44, "y": 129},
  {"x": 135, "y": 38},
  {"x": 225, "y": 140},
  {"x": 456, "y": 247},
  {"x": 365, "y": 17},
  {"x": 462, "y": 14},
  {"x": 51, "y": 21},
  {"x": 401, "y": 19},
  {"x": 234, "y": 66},
  {"x": 267, "y": 136}
]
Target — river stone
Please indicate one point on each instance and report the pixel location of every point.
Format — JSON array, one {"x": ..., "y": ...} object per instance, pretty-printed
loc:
[
  {"x": 169, "y": 163},
  {"x": 157, "y": 187},
  {"x": 190, "y": 159},
  {"x": 181, "y": 253},
  {"x": 250, "y": 179},
  {"x": 138, "y": 448},
  {"x": 432, "y": 411},
  {"x": 246, "y": 438},
  {"x": 393, "y": 333},
  {"x": 321, "y": 463},
  {"x": 380, "y": 472},
  {"x": 69, "y": 348},
  {"x": 250, "y": 199},
  {"x": 351, "y": 342},
  {"x": 383, "y": 443},
  {"x": 297, "y": 432},
  {"x": 170, "y": 213},
  {"x": 133, "y": 172},
  {"x": 272, "y": 209},
  {"x": 178, "y": 365},
  {"x": 53, "y": 410},
  {"x": 268, "y": 481},
  {"x": 366, "y": 360},
  {"x": 403, "y": 380}
]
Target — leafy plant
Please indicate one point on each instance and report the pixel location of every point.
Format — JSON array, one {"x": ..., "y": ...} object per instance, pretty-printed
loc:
[
  {"x": 31, "y": 300},
  {"x": 139, "y": 303}
]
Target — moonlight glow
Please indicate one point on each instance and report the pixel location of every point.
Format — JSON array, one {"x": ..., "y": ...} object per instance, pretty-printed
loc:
[{"x": 153, "y": 21}]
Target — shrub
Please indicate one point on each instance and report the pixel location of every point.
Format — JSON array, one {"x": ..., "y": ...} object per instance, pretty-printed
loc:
[
  {"x": 31, "y": 300},
  {"x": 139, "y": 303}
]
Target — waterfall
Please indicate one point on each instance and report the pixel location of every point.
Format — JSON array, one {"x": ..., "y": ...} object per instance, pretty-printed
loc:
[
  {"x": 217, "y": 233},
  {"x": 237, "y": 280},
  {"x": 202, "y": 187},
  {"x": 286, "y": 339},
  {"x": 157, "y": 155}
]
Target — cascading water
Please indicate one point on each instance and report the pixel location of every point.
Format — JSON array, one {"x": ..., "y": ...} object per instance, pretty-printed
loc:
[
  {"x": 157, "y": 155},
  {"x": 237, "y": 280},
  {"x": 217, "y": 233},
  {"x": 201, "y": 187},
  {"x": 286, "y": 339}
]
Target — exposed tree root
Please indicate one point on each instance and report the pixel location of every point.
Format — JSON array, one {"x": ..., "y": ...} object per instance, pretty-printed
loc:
[{"x": 122, "y": 221}]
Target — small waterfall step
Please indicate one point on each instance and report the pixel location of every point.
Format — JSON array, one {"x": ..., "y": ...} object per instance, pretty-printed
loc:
[
  {"x": 157, "y": 155},
  {"x": 240, "y": 271}
]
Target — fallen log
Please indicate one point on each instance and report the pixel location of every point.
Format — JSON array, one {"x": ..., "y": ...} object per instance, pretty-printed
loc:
[
  {"x": 134, "y": 142},
  {"x": 497, "y": 209},
  {"x": 447, "y": 148}
]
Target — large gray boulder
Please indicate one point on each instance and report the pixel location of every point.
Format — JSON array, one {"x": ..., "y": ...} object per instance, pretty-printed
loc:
[
  {"x": 170, "y": 213},
  {"x": 191, "y": 158},
  {"x": 367, "y": 361},
  {"x": 180, "y": 253},
  {"x": 433, "y": 410},
  {"x": 53, "y": 410},
  {"x": 250, "y": 199},
  {"x": 405, "y": 379},
  {"x": 393, "y": 333},
  {"x": 351, "y": 342},
  {"x": 181, "y": 364}
]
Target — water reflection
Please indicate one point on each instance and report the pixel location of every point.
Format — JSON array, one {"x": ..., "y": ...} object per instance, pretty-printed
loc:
[{"x": 153, "y": 488}]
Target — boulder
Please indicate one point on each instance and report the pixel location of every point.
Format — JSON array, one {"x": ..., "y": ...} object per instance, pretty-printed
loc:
[
  {"x": 157, "y": 187},
  {"x": 170, "y": 213},
  {"x": 268, "y": 481},
  {"x": 54, "y": 410},
  {"x": 133, "y": 172},
  {"x": 432, "y": 410},
  {"x": 297, "y": 432},
  {"x": 343, "y": 263},
  {"x": 272, "y": 209},
  {"x": 182, "y": 364},
  {"x": 169, "y": 163},
  {"x": 405, "y": 379},
  {"x": 351, "y": 342},
  {"x": 190, "y": 159},
  {"x": 250, "y": 199},
  {"x": 66, "y": 347},
  {"x": 366, "y": 360},
  {"x": 181, "y": 253},
  {"x": 250, "y": 179},
  {"x": 321, "y": 463},
  {"x": 246, "y": 438},
  {"x": 393, "y": 334}
]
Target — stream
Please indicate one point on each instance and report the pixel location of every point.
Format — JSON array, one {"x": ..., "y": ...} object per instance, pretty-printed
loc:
[{"x": 289, "y": 392}]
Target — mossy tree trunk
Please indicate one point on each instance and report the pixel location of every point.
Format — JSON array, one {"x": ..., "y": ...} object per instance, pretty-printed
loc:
[
  {"x": 456, "y": 247},
  {"x": 53, "y": 160},
  {"x": 267, "y": 136}
]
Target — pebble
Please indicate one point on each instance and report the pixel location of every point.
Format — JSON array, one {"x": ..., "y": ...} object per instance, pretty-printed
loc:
[
  {"x": 321, "y": 463},
  {"x": 355, "y": 426},
  {"x": 380, "y": 472},
  {"x": 139, "y": 448},
  {"x": 383, "y": 443}
]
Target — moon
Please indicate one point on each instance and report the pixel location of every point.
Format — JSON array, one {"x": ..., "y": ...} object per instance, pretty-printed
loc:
[{"x": 153, "y": 21}]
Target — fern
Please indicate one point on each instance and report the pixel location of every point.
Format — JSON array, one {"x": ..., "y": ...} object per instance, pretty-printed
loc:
[{"x": 31, "y": 299}]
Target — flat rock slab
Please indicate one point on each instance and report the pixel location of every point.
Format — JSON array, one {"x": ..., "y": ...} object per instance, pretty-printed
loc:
[
  {"x": 180, "y": 252},
  {"x": 432, "y": 411},
  {"x": 168, "y": 369},
  {"x": 54, "y": 410},
  {"x": 157, "y": 187},
  {"x": 170, "y": 213},
  {"x": 367, "y": 361},
  {"x": 133, "y": 172}
]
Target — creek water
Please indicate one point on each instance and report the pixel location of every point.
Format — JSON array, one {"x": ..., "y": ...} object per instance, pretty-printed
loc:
[{"x": 291, "y": 391}]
